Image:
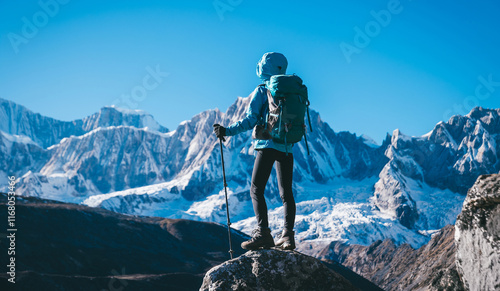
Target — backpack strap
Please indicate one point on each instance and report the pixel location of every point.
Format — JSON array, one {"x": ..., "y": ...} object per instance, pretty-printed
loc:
[{"x": 263, "y": 107}]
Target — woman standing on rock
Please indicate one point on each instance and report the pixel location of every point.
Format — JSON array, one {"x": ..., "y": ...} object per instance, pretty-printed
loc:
[{"x": 267, "y": 153}]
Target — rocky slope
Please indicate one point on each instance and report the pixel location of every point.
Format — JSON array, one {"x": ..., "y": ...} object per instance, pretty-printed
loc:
[
  {"x": 431, "y": 267},
  {"x": 477, "y": 234},
  {"x": 62, "y": 246},
  {"x": 461, "y": 257}
]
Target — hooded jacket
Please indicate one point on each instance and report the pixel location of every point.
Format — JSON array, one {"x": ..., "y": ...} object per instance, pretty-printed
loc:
[{"x": 270, "y": 64}]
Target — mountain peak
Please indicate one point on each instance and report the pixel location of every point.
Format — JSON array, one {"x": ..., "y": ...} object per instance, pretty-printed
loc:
[
  {"x": 115, "y": 116},
  {"x": 490, "y": 118},
  {"x": 124, "y": 110},
  {"x": 46, "y": 131},
  {"x": 479, "y": 112}
]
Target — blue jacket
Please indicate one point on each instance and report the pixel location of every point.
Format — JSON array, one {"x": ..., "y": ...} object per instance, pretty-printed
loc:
[{"x": 256, "y": 113}]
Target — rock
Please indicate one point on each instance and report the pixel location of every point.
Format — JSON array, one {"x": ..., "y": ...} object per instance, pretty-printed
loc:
[
  {"x": 431, "y": 267},
  {"x": 274, "y": 270},
  {"x": 477, "y": 235}
]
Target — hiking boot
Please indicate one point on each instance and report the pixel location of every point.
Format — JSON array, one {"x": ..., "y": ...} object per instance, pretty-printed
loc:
[
  {"x": 261, "y": 238},
  {"x": 287, "y": 240}
]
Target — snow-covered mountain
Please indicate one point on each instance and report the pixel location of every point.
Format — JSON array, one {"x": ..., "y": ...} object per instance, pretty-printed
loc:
[
  {"x": 449, "y": 159},
  {"x": 45, "y": 131},
  {"x": 19, "y": 155},
  {"x": 347, "y": 189}
]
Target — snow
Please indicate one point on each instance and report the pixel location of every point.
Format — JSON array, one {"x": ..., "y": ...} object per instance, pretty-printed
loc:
[
  {"x": 153, "y": 200},
  {"x": 398, "y": 135},
  {"x": 437, "y": 208},
  {"x": 369, "y": 141},
  {"x": 128, "y": 111},
  {"x": 213, "y": 208},
  {"x": 149, "y": 123},
  {"x": 339, "y": 210},
  {"x": 427, "y": 135},
  {"x": 169, "y": 134},
  {"x": 4, "y": 182},
  {"x": 327, "y": 164},
  {"x": 146, "y": 120},
  {"x": 451, "y": 141},
  {"x": 13, "y": 138},
  {"x": 329, "y": 219},
  {"x": 488, "y": 119},
  {"x": 54, "y": 187},
  {"x": 485, "y": 147}
]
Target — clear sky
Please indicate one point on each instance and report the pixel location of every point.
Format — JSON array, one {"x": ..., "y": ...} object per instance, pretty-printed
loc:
[{"x": 370, "y": 66}]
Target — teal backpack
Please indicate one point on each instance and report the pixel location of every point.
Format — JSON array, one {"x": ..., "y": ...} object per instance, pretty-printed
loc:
[{"x": 288, "y": 103}]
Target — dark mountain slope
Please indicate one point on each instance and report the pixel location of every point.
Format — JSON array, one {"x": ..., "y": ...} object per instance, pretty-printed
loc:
[{"x": 63, "y": 246}]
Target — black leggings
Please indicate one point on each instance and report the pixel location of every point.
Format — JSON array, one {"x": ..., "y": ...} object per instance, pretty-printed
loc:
[{"x": 261, "y": 172}]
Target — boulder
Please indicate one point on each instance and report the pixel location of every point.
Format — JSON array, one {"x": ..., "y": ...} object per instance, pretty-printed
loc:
[{"x": 274, "y": 270}]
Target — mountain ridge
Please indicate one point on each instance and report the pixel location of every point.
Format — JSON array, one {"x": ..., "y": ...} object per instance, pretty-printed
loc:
[
  {"x": 47, "y": 131},
  {"x": 177, "y": 174}
]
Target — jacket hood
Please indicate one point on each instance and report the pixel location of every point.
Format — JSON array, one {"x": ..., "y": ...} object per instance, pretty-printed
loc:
[{"x": 270, "y": 64}]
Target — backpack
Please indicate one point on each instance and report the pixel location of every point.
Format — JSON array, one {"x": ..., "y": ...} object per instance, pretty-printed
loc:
[{"x": 288, "y": 103}]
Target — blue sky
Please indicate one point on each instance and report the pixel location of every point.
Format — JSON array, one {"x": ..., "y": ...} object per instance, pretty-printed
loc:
[{"x": 370, "y": 66}]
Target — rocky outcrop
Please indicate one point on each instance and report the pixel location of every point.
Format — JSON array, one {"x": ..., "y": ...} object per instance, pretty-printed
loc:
[
  {"x": 274, "y": 270},
  {"x": 431, "y": 267},
  {"x": 477, "y": 235}
]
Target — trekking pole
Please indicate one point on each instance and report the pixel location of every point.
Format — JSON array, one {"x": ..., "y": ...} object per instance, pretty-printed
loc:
[{"x": 227, "y": 204}]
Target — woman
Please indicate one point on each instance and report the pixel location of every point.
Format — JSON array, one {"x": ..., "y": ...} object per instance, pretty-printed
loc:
[{"x": 267, "y": 153}]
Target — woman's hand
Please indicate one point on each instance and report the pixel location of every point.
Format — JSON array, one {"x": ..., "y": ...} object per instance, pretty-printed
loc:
[{"x": 220, "y": 131}]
